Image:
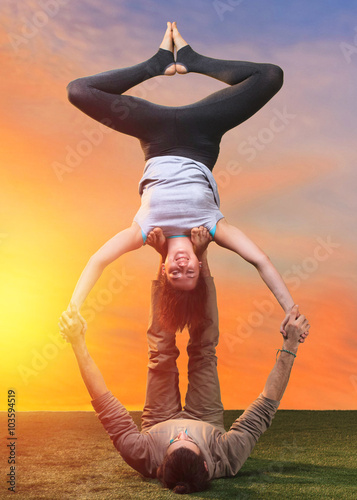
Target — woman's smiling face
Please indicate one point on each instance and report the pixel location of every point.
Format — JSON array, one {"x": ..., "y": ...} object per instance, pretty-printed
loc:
[{"x": 182, "y": 269}]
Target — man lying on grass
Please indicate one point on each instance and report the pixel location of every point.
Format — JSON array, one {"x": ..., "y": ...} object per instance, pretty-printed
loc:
[{"x": 184, "y": 447}]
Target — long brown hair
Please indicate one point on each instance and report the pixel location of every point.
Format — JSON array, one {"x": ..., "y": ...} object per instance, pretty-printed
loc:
[
  {"x": 180, "y": 308},
  {"x": 183, "y": 471}
]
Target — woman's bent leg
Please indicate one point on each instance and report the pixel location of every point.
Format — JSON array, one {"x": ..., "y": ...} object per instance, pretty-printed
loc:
[
  {"x": 252, "y": 85},
  {"x": 100, "y": 96}
]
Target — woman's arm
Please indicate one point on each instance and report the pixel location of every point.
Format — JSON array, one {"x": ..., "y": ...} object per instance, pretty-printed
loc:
[
  {"x": 121, "y": 243},
  {"x": 230, "y": 237}
]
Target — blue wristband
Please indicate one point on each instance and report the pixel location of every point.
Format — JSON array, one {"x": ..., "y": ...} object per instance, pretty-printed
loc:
[{"x": 284, "y": 350}]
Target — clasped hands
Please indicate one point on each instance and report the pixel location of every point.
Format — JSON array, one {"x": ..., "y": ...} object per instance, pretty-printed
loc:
[
  {"x": 296, "y": 327},
  {"x": 72, "y": 325},
  {"x": 294, "y": 313}
]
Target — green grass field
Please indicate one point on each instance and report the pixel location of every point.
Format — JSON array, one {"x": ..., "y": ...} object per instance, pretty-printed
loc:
[{"x": 304, "y": 455}]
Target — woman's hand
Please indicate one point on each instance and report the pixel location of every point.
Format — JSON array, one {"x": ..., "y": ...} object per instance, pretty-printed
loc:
[{"x": 283, "y": 325}]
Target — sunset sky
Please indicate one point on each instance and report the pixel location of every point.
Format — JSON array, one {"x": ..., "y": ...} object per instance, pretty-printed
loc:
[{"x": 67, "y": 186}]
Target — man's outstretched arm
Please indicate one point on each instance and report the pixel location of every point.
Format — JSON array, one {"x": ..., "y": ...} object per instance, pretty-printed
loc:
[
  {"x": 247, "y": 429},
  {"x": 132, "y": 445},
  {"x": 73, "y": 327},
  {"x": 279, "y": 376}
]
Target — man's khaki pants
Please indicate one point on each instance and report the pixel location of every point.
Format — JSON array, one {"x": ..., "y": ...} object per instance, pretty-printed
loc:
[{"x": 203, "y": 398}]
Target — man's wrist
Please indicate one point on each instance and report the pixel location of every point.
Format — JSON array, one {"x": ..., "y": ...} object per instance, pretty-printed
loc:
[
  {"x": 291, "y": 345},
  {"x": 79, "y": 345}
]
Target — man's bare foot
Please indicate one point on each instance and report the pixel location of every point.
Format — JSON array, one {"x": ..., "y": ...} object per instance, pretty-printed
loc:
[
  {"x": 157, "y": 240},
  {"x": 200, "y": 239},
  {"x": 179, "y": 43},
  {"x": 168, "y": 44}
]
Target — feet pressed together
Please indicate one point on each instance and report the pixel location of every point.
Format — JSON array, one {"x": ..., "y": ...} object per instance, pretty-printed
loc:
[{"x": 173, "y": 39}]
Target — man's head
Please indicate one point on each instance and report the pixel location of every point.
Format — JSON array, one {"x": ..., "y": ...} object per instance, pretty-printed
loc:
[
  {"x": 182, "y": 440},
  {"x": 184, "y": 469}
]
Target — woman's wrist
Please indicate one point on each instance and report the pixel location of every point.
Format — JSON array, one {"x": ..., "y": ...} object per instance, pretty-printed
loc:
[
  {"x": 287, "y": 308},
  {"x": 201, "y": 254},
  {"x": 74, "y": 302},
  {"x": 204, "y": 269}
]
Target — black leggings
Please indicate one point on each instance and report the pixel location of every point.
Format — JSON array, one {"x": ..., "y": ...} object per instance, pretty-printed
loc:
[{"x": 192, "y": 131}]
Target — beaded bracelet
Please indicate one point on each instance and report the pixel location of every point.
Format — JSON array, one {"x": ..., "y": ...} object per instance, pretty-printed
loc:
[{"x": 284, "y": 350}]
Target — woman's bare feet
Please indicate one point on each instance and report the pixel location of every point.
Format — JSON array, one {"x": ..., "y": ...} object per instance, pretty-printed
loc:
[
  {"x": 168, "y": 44},
  {"x": 179, "y": 43},
  {"x": 157, "y": 240},
  {"x": 200, "y": 239}
]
